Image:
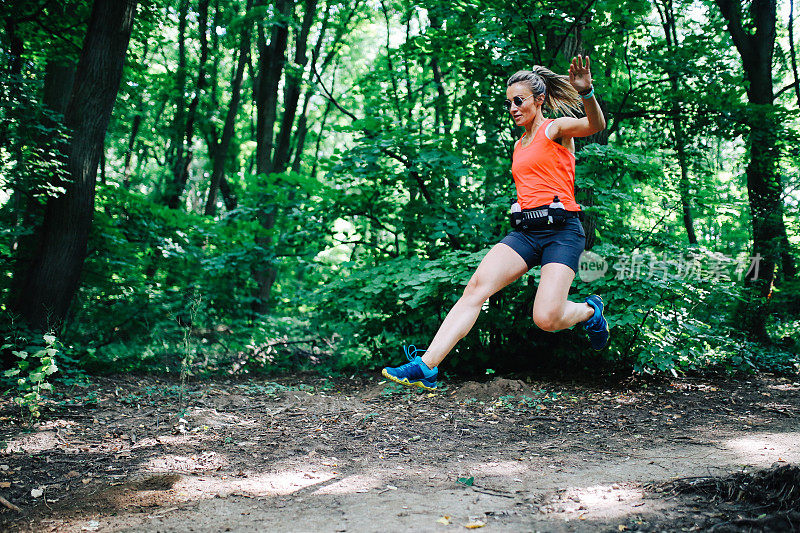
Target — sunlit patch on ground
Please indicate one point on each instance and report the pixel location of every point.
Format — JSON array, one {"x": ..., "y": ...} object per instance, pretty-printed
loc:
[
  {"x": 203, "y": 418},
  {"x": 785, "y": 387},
  {"x": 33, "y": 442},
  {"x": 499, "y": 468},
  {"x": 763, "y": 449},
  {"x": 272, "y": 484},
  {"x": 351, "y": 484},
  {"x": 206, "y": 461},
  {"x": 600, "y": 501}
]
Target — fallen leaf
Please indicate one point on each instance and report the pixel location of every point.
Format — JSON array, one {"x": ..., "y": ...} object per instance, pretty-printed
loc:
[
  {"x": 36, "y": 493},
  {"x": 622, "y": 527},
  {"x": 5, "y": 484},
  {"x": 71, "y": 474},
  {"x": 474, "y": 525},
  {"x": 444, "y": 520}
]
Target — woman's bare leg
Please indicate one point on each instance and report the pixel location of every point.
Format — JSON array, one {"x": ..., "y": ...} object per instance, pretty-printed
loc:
[
  {"x": 551, "y": 309},
  {"x": 501, "y": 266}
]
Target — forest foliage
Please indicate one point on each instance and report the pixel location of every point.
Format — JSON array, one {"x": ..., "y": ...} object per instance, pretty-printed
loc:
[{"x": 309, "y": 185}]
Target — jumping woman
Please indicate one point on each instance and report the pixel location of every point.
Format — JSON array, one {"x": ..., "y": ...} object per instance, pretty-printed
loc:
[{"x": 547, "y": 230}]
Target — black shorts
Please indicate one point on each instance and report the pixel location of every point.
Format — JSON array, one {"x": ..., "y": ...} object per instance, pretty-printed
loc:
[{"x": 539, "y": 246}]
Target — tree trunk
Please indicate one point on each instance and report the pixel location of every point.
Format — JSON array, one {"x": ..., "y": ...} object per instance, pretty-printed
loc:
[
  {"x": 291, "y": 93},
  {"x": 126, "y": 173},
  {"x": 764, "y": 186},
  {"x": 176, "y": 148},
  {"x": 181, "y": 168},
  {"x": 679, "y": 142},
  {"x": 228, "y": 197},
  {"x": 50, "y": 285},
  {"x": 220, "y": 151},
  {"x": 272, "y": 58},
  {"x": 137, "y": 122},
  {"x": 271, "y": 61},
  {"x": 59, "y": 77}
]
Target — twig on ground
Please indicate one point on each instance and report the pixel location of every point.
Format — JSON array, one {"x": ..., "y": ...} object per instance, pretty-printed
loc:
[{"x": 10, "y": 505}]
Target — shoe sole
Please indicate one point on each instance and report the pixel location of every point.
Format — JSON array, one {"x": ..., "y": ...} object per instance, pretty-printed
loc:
[
  {"x": 405, "y": 381},
  {"x": 602, "y": 314}
]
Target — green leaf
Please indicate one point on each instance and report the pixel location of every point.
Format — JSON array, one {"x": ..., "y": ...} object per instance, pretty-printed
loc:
[{"x": 468, "y": 481}]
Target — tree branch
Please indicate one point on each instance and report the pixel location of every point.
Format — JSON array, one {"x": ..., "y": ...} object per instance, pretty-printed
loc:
[
  {"x": 791, "y": 51},
  {"x": 731, "y": 10},
  {"x": 571, "y": 28},
  {"x": 795, "y": 85}
]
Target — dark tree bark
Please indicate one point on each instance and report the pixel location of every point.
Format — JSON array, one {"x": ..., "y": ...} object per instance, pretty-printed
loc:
[
  {"x": 49, "y": 286},
  {"x": 667, "y": 15},
  {"x": 181, "y": 168},
  {"x": 176, "y": 148},
  {"x": 136, "y": 123},
  {"x": 441, "y": 108},
  {"x": 272, "y": 58},
  {"x": 756, "y": 44},
  {"x": 126, "y": 172},
  {"x": 220, "y": 150},
  {"x": 29, "y": 211},
  {"x": 302, "y": 122},
  {"x": 792, "y": 53},
  {"x": 291, "y": 94},
  {"x": 228, "y": 196}
]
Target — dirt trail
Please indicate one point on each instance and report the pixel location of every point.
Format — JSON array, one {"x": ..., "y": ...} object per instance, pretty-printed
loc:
[{"x": 363, "y": 455}]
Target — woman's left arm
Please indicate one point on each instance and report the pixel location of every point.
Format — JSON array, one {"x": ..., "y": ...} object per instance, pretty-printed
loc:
[{"x": 581, "y": 79}]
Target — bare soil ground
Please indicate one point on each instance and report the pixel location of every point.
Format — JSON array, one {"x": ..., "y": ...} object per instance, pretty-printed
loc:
[{"x": 360, "y": 454}]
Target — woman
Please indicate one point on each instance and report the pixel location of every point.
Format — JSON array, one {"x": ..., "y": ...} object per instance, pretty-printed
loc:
[{"x": 543, "y": 167}]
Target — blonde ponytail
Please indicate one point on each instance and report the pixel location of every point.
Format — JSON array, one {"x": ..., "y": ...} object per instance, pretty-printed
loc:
[{"x": 559, "y": 94}]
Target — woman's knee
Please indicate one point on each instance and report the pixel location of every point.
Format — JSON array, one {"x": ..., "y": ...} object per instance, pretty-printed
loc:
[
  {"x": 476, "y": 291},
  {"x": 547, "y": 319}
]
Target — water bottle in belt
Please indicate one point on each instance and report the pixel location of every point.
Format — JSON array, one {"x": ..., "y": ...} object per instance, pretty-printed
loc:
[{"x": 557, "y": 213}]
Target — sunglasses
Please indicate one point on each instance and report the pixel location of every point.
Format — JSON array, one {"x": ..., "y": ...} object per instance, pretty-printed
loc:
[{"x": 516, "y": 100}]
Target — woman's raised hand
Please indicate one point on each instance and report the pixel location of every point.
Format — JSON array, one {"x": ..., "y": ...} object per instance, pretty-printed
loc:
[{"x": 579, "y": 74}]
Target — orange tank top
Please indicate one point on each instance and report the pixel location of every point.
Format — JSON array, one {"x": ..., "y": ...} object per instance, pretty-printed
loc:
[{"x": 544, "y": 169}]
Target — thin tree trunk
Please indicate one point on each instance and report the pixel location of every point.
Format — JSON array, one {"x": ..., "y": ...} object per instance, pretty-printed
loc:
[
  {"x": 667, "y": 15},
  {"x": 792, "y": 52},
  {"x": 220, "y": 151},
  {"x": 50, "y": 285},
  {"x": 136, "y": 123},
  {"x": 291, "y": 93},
  {"x": 228, "y": 197},
  {"x": 320, "y": 136},
  {"x": 126, "y": 173},
  {"x": 441, "y": 107},
  {"x": 390, "y": 65},
  {"x": 272, "y": 58},
  {"x": 181, "y": 174},
  {"x": 176, "y": 149},
  {"x": 271, "y": 61}
]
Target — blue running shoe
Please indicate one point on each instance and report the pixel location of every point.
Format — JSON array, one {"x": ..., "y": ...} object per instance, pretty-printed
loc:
[
  {"x": 597, "y": 327},
  {"x": 415, "y": 373}
]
